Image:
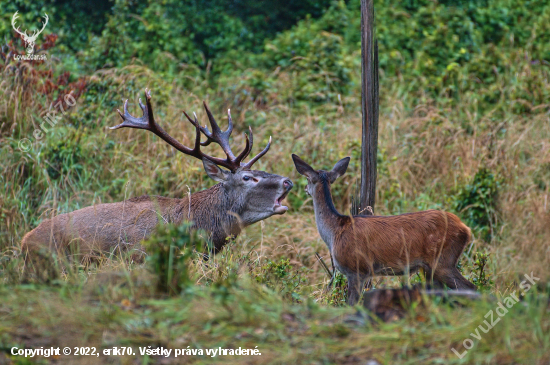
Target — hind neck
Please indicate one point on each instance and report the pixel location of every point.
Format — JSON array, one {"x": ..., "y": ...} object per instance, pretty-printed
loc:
[{"x": 329, "y": 220}]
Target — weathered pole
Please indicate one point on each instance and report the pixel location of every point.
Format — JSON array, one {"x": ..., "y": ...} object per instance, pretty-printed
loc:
[
  {"x": 363, "y": 201},
  {"x": 369, "y": 109}
]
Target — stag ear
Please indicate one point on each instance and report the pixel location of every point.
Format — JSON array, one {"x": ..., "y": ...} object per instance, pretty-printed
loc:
[
  {"x": 338, "y": 170},
  {"x": 303, "y": 168},
  {"x": 214, "y": 171}
]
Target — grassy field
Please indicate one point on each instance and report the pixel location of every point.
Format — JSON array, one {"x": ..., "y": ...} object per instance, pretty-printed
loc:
[{"x": 476, "y": 147}]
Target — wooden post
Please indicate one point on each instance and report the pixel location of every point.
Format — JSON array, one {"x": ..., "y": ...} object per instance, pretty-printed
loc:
[{"x": 369, "y": 109}]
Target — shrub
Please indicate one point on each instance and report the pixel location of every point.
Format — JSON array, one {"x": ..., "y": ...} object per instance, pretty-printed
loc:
[
  {"x": 338, "y": 292},
  {"x": 170, "y": 250},
  {"x": 481, "y": 277},
  {"x": 477, "y": 202},
  {"x": 283, "y": 278}
]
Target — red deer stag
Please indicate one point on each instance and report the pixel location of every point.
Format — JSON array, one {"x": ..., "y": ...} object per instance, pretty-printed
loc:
[
  {"x": 242, "y": 197},
  {"x": 362, "y": 246}
]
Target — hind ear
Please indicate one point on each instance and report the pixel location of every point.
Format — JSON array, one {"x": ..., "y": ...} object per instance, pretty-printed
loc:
[
  {"x": 303, "y": 168},
  {"x": 214, "y": 171},
  {"x": 338, "y": 170}
]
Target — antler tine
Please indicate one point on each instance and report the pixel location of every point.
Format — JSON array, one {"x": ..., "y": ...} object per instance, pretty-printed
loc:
[
  {"x": 213, "y": 123},
  {"x": 221, "y": 138},
  {"x": 249, "y": 164},
  {"x": 197, "y": 148},
  {"x": 229, "y": 122},
  {"x": 195, "y": 122},
  {"x": 247, "y": 149},
  {"x": 204, "y": 130},
  {"x": 198, "y": 129}
]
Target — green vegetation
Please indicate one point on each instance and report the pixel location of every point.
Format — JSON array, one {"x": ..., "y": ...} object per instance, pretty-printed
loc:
[
  {"x": 168, "y": 256},
  {"x": 478, "y": 200},
  {"x": 464, "y": 127}
]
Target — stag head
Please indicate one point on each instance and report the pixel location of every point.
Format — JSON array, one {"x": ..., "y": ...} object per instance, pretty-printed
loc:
[
  {"x": 253, "y": 195},
  {"x": 30, "y": 40}
]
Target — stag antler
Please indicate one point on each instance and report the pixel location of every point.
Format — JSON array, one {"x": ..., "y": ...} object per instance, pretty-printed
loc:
[{"x": 147, "y": 122}]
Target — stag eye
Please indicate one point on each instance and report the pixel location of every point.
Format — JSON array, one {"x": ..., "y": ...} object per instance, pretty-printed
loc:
[{"x": 246, "y": 178}]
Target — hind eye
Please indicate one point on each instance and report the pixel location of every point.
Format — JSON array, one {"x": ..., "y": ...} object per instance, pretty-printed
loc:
[{"x": 246, "y": 178}]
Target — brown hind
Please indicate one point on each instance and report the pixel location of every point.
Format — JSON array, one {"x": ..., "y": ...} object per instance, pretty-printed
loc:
[{"x": 364, "y": 246}]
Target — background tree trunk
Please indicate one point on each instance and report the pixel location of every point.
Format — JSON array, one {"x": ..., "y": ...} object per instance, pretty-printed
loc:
[{"x": 369, "y": 108}]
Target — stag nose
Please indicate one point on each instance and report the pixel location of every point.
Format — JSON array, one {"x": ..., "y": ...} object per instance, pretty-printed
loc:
[{"x": 287, "y": 184}]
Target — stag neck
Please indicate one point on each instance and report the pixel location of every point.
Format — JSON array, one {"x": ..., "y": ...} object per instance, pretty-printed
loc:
[
  {"x": 208, "y": 199},
  {"x": 214, "y": 203}
]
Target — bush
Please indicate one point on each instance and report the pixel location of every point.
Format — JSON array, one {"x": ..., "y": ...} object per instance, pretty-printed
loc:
[
  {"x": 477, "y": 202},
  {"x": 481, "y": 278},
  {"x": 339, "y": 291},
  {"x": 170, "y": 250},
  {"x": 283, "y": 278}
]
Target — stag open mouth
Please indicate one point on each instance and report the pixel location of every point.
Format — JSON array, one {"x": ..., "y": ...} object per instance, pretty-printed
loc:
[{"x": 279, "y": 208}]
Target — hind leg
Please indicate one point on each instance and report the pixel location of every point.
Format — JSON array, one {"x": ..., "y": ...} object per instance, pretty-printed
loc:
[
  {"x": 462, "y": 282},
  {"x": 431, "y": 281},
  {"x": 453, "y": 278},
  {"x": 356, "y": 282}
]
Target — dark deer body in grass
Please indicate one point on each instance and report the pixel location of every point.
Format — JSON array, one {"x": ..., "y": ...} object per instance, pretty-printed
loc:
[
  {"x": 242, "y": 197},
  {"x": 364, "y": 246}
]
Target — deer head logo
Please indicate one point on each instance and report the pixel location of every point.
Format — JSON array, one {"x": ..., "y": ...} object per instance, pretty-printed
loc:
[{"x": 29, "y": 40}]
